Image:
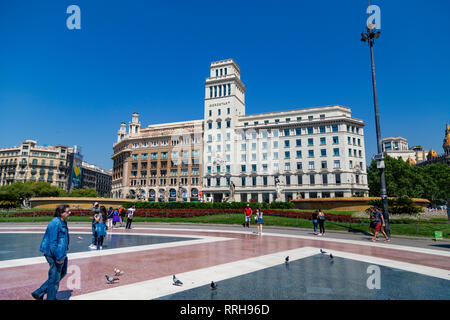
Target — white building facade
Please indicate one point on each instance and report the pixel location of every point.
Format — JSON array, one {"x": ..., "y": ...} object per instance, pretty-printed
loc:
[{"x": 313, "y": 152}]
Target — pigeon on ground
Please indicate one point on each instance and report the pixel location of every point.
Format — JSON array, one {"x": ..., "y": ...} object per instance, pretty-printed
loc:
[
  {"x": 331, "y": 256},
  {"x": 110, "y": 279},
  {"x": 176, "y": 281},
  {"x": 322, "y": 252},
  {"x": 118, "y": 272},
  {"x": 286, "y": 260},
  {"x": 213, "y": 285}
]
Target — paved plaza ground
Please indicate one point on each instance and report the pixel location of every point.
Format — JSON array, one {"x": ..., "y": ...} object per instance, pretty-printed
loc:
[{"x": 245, "y": 265}]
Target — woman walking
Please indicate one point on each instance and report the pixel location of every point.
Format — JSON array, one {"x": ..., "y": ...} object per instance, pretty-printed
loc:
[
  {"x": 259, "y": 221},
  {"x": 315, "y": 216},
  {"x": 321, "y": 218},
  {"x": 100, "y": 227},
  {"x": 54, "y": 246}
]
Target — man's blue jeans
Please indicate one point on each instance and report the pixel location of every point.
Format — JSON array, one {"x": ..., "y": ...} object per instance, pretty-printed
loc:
[
  {"x": 315, "y": 225},
  {"x": 55, "y": 274}
]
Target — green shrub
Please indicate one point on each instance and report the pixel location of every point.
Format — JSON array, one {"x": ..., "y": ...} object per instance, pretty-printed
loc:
[
  {"x": 208, "y": 205},
  {"x": 399, "y": 205}
]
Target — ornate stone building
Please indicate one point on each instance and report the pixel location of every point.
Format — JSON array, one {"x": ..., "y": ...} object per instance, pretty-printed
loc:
[
  {"x": 303, "y": 153},
  {"x": 160, "y": 163}
]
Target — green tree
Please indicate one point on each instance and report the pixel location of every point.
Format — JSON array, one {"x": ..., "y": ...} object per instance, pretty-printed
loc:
[
  {"x": 431, "y": 181},
  {"x": 19, "y": 193}
]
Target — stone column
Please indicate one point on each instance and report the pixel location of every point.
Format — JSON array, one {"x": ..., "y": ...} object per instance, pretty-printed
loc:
[{"x": 260, "y": 197}]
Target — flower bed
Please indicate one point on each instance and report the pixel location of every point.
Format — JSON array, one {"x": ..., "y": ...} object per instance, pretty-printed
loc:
[{"x": 181, "y": 213}]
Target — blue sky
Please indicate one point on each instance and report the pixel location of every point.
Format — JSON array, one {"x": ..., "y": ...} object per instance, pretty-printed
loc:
[{"x": 61, "y": 86}]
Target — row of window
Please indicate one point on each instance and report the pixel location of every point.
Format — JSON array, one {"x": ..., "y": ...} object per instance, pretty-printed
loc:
[
  {"x": 219, "y": 112},
  {"x": 164, "y": 143},
  {"x": 275, "y": 133},
  {"x": 164, "y": 155},
  {"x": 163, "y": 181},
  {"x": 220, "y": 90},
  {"x": 287, "y": 166},
  {"x": 287, "y": 120},
  {"x": 24, "y": 162},
  {"x": 300, "y": 179},
  {"x": 153, "y": 173},
  {"x": 221, "y": 72},
  {"x": 219, "y": 124}
]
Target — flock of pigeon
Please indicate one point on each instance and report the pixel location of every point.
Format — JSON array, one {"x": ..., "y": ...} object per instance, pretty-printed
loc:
[
  {"x": 117, "y": 273},
  {"x": 177, "y": 282},
  {"x": 286, "y": 260}
]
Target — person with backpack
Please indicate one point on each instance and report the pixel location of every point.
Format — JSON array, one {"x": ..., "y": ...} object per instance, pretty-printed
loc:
[
  {"x": 122, "y": 215},
  {"x": 259, "y": 220},
  {"x": 100, "y": 227},
  {"x": 379, "y": 225},
  {"x": 321, "y": 218}
]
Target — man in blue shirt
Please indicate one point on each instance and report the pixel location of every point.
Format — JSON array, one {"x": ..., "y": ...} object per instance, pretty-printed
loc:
[{"x": 54, "y": 246}]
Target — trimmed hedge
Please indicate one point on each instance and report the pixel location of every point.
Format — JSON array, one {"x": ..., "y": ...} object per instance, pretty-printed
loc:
[
  {"x": 208, "y": 205},
  {"x": 195, "y": 212}
]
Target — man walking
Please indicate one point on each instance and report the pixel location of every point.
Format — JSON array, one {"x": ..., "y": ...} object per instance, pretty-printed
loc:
[
  {"x": 54, "y": 246},
  {"x": 379, "y": 220},
  {"x": 248, "y": 216}
]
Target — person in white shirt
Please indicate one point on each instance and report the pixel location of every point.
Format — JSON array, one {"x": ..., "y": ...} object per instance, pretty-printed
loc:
[{"x": 130, "y": 212}]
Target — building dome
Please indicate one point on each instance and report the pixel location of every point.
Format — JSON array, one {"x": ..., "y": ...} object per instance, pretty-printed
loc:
[
  {"x": 411, "y": 161},
  {"x": 447, "y": 137},
  {"x": 432, "y": 154}
]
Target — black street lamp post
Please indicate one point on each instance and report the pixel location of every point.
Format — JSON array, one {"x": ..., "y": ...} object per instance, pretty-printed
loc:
[{"x": 370, "y": 35}]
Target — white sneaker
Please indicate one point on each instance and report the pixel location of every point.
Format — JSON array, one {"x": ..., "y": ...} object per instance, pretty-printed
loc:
[{"x": 92, "y": 247}]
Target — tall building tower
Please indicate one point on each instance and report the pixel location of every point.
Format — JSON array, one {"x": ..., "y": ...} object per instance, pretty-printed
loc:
[
  {"x": 224, "y": 103},
  {"x": 446, "y": 144},
  {"x": 134, "y": 125}
]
